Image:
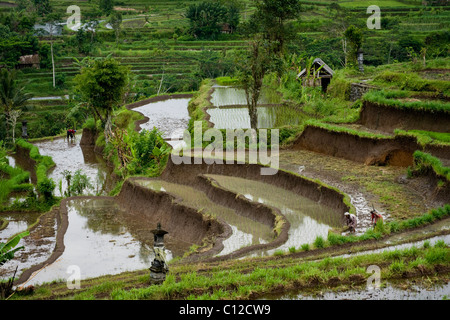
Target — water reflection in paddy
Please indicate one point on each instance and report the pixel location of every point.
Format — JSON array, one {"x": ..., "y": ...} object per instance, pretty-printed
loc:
[
  {"x": 228, "y": 96},
  {"x": 308, "y": 219},
  {"x": 245, "y": 231},
  {"x": 170, "y": 116},
  {"x": 268, "y": 117},
  {"x": 69, "y": 155},
  {"x": 101, "y": 239}
]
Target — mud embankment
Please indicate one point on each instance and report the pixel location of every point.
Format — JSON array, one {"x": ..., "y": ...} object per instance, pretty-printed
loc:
[
  {"x": 386, "y": 118},
  {"x": 396, "y": 151},
  {"x": 186, "y": 173},
  {"x": 183, "y": 222},
  {"x": 434, "y": 187}
]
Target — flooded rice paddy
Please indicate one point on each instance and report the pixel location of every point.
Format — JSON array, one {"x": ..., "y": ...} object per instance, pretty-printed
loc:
[
  {"x": 308, "y": 219},
  {"x": 100, "y": 240},
  {"x": 70, "y": 155},
  {"x": 170, "y": 116},
  {"x": 268, "y": 117},
  {"x": 231, "y": 96},
  {"x": 388, "y": 291},
  {"x": 246, "y": 231}
]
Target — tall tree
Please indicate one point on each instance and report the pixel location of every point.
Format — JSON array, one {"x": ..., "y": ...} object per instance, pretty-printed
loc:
[
  {"x": 354, "y": 37},
  {"x": 206, "y": 19},
  {"x": 43, "y": 7},
  {"x": 106, "y": 6},
  {"x": 115, "y": 20},
  {"x": 101, "y": 84},
  {"x": 272, "y": 16},
  {"x": 252, "y": 66},
  {"x": 12, "y": 96}
]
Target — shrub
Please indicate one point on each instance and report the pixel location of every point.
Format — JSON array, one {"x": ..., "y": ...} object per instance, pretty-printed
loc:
[
  {"x": 319, "y": 242},
  {"x": 305, "y": 247}
]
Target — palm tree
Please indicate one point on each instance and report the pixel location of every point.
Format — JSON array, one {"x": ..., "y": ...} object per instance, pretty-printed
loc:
[{"x": 12, "y": 96}]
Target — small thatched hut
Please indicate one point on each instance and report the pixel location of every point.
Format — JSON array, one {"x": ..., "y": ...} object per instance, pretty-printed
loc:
[
  {"x": 28, "y": 61},
  {"x": 320, "y": 74}
]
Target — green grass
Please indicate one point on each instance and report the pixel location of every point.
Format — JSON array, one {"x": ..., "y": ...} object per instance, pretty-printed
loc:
[
  {"x": 391, "y": 98},
  {"x": 424, "y": 161},
  {"x": 16, "y": 180},
  {"x": 43, "y": 163},
  {"x": 341, "y": 129},
  {"x": 426, "y": 137},
  {"x": 262, "y": 276}
]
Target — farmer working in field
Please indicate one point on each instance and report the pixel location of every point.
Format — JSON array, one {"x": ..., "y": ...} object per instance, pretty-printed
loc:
[
  {"x": 351, "y": 221},
  {"x": 71, "y": 133},
  {"x": 375, "y": 216}
]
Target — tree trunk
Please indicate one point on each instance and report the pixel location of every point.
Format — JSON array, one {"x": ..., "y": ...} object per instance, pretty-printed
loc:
[
  {"x": 53, "y": 63},
  {"x": 108, "y": 126}
]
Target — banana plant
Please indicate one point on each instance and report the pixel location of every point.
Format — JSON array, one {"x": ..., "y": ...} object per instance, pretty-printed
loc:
[{"x": 7, "y": 249}]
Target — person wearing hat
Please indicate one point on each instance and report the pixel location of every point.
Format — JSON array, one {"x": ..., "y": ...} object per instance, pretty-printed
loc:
[{"x": 351, "y": 221}]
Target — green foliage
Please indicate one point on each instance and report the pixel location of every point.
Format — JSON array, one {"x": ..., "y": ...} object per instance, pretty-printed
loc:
[
  {"x": 45, "y": 185},
  {"x": 149, "y": 150},
  {"x": 271, "y": 18},
  {"x": 8, "y": 249},
  {"x": 101, "y": 85},
  {"x": 319, "y": 242},
  {"x": 408, "y": 81},
  {"x": 106, "y": 6},
  {"x": 336, "y": 128},
  {"x": 390, "y": 99},
  {"x": 227, "y": 81},
  {"x": 425, "y": 161},
  {"x": 79, "y": 183},
  {"x": 354, "y": 37},
  {"x": 207, "y": 18}
]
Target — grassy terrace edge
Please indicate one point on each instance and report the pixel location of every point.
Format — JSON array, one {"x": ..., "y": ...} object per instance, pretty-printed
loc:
[{"x": 390, "y": 99}]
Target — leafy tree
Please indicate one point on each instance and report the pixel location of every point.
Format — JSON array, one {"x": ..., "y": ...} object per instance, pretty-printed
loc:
[
  {"x": 101, "y": 84},
  {"x": 252, "y": 66},
  {"x": 206, "y": 19},
  {"x": 43, "y": 7},
  {"x": 272, "y": 16},
  {"x": 106, "y": 6},
  {"x": 354, "y": 37},
  {"x": 115, "y": 20}
]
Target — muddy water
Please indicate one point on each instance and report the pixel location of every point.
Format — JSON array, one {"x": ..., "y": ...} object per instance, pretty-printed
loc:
[
  {"x": 227, "y": 96},
  {"x": 37, "y": 246},
  {"x": 388, "y": 292},
  {"x": 307, "y": 218},
  {"x": 245, "y": 231},
  {"x": 18, "y": 222},
  {"x": 69, "y": 155},
  {"x": 268, "y": 117},
  {"x": 170, "y": 116},
  {"x": 99, "y": 241}
]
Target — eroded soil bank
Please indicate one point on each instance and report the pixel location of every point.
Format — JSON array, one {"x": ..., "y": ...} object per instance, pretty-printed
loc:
[
  {"x": 386, "y": 118},
  {"x": 370, "y": 151}
]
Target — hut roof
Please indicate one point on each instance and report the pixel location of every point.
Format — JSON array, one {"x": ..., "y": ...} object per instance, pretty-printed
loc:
[
  {"x": 29, "y": 59},
  {"x": 318, "y": 62}
]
